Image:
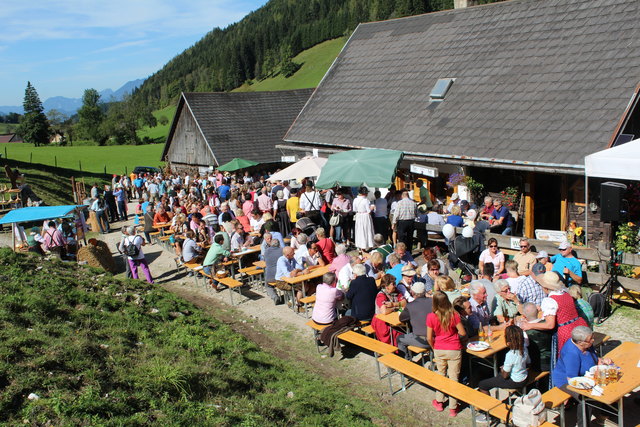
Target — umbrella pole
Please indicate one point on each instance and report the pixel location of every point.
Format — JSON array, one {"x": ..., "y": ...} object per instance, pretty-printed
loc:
[
  {"x": 586, "y": 208},
  {"x": 13, "y": 236}
]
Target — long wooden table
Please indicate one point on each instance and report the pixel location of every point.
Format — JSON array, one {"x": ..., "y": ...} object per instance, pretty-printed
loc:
[
  {"x": 299, "y": 280},
  {"x": 627, "y": 357},
  {"x": 497, "y": 343},
  {"x": 393, "y": 320}
]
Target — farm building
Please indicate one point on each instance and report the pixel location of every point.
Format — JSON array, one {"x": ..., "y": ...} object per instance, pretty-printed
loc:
[
  {"x": 515, "y": 93},
  {"x": 210, "y": 129},
  {"x": 10, "y": 137}
]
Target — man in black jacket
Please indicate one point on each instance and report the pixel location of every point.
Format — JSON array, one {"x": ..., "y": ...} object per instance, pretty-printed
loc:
[{"x": 416, "y": 312}]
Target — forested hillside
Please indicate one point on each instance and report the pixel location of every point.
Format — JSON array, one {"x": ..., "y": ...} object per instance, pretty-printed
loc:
[{"x": 264, "y": 42}]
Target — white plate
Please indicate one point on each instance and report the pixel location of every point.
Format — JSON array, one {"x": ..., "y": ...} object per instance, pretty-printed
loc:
[
  {"x": 478, "y": 346},
  {"x": 581, "y": 383}
]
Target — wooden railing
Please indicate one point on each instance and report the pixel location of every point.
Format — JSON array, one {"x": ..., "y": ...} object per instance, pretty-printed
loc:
[{"x": 600, "y": 255}]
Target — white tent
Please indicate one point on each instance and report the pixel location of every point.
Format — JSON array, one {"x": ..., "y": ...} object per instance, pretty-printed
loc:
[
  {"x": 620, "y": 162},
  {"x": 306, "y": 167}
]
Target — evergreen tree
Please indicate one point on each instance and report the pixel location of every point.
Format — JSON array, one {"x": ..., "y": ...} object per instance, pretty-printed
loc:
[
  {"x": 34, "y": 126},
  {"x": 91, "y": 116}
]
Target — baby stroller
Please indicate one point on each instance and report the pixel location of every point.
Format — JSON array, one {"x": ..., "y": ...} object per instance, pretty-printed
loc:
[
  {"x": 307, "y": 226},
  {"x": 464, "y": 253}
]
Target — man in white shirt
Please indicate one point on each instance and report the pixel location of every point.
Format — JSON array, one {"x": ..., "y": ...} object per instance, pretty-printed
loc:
[{"x": 310, "y": 204}]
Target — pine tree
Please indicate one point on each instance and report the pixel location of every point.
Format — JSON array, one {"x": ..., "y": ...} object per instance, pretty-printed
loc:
[{"x": 34, "y": 126}]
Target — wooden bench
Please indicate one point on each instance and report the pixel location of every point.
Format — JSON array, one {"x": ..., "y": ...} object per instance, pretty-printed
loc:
[
  {"x": 193, "y": 267},
  {"x": 555, "y": 398},
  {"x": 306, "y": 302},
  {"x": 475, "y": 398},
  {"x": 233, "y": 285},
  {"x": 368, "y": 330},
  {"x": 317, "y": 329},
  {"x": 599, "y": 339},
  {"x": 532, "y": 378},
  {"x": 413, "y": 350},
  {"x": 370, "y": 344}
]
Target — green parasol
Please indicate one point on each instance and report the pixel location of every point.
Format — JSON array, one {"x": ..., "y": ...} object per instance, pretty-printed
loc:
[
  {"x": 370, "y": 167},
  {"x": 236, "y": 164}
]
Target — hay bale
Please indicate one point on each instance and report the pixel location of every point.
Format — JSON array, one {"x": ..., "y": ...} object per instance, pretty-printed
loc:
[{"x": 97, "y": 254}]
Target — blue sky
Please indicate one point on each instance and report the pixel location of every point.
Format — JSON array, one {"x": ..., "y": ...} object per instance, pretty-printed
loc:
[{"x": 66, "y": 46}]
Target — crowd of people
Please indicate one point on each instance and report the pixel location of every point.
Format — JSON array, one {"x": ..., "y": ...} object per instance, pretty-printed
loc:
[{"x": 367, "y": 242}]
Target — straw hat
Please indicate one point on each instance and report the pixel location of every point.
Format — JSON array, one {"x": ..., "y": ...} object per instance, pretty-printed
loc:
[
  {"x": 550, "y": 280},
  {"x": 408, "y": 270}
]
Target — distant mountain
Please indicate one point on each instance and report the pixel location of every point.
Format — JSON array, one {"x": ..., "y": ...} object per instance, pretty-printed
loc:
[{"x": 70, "y": 106}]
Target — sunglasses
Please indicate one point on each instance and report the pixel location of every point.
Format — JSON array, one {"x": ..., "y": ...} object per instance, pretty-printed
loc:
[
  {"x": 493, "y": 246},
  {"x": 524, "y": 246}
]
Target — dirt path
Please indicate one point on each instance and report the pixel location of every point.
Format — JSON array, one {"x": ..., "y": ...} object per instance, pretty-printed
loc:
[{"x": 283, "y": 333}]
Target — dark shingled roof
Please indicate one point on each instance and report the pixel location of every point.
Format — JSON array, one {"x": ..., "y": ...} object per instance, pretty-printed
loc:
[
  {"x": 536, "y": 81},
  {"x": 243, "y": 124}
]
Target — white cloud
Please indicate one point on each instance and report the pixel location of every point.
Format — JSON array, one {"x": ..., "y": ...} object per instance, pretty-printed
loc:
[{"x": 82, "y": 19}]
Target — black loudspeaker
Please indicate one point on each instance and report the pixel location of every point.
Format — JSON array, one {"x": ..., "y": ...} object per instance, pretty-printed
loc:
[{"x": 611, "y": 205}]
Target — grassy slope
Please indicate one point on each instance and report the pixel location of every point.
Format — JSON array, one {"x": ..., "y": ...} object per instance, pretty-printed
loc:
[
  {"x": 100, "y": 351},
  {"x": 315, "y": 63},
  {"x": 93, "y": 158},
  {"x": 159, "y": 133},
  {"x": 53, "y": 185}
]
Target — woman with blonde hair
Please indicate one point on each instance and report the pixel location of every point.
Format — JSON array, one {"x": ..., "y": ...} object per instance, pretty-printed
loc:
[
  {"x": 444, "y": 333},
  {"x": 446, "y": 285}
]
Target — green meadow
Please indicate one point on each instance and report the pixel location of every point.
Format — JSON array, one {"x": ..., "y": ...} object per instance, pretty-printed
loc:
[
  {"x": 315, "y": 63},
  {"x": 87, "y": 158}
]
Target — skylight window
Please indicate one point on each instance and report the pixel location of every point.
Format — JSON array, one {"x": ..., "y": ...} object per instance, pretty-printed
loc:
[{"x": 440, "y": 89}]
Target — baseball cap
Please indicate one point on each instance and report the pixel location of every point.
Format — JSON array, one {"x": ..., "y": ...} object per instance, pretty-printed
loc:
[
  {"x": 418, "y": 288},
  {"x": 564, "y": 245},
  {"x": 538, "y": 268},
  {"x": 542, "y": 254}
]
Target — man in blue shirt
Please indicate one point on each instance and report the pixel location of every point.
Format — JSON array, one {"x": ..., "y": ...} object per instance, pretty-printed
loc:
[
  {"x": 502, "y": 219},
  {"x": 121, "y": 198},
  {"x": 223, "y": 190},
  {"x": 566, "y": 265},
  {"x": 576, "y": 357},
  {"x": 288, "y": 267}
]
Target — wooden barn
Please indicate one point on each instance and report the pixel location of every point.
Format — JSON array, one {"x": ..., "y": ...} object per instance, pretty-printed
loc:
[
  {"x": 10, "y": 137},
  {"x": 210, "y": 129}
]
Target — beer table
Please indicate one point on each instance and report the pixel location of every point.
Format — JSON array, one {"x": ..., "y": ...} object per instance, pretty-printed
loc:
[{"x": 627, "y": 357}]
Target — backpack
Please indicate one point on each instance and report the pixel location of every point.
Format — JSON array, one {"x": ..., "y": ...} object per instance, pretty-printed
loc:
[
  {"x": 529, "y": 410},
  {"x": 600, "y": 305},
  {"x": 130, "y": 249}
]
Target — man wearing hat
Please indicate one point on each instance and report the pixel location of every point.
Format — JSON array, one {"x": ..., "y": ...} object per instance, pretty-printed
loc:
[
  {"x": 408, "y": 278},
  {"x": 543, "y": 258},
  {"x": 566, "y": 265},
  {"x": 416, "y": 312},
  {"x": 558, "y": 310},
  {"x": 455, "y": 200}
]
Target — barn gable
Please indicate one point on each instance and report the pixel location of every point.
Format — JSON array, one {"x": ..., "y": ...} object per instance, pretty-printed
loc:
[{"x": 213, "y": 128}]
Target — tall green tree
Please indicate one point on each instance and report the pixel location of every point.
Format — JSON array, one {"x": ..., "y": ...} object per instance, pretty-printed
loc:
[
  {"x": 34, "y": 126},
  {"x": 125, "y": 118},
  {"x": 90, "y": 117}
]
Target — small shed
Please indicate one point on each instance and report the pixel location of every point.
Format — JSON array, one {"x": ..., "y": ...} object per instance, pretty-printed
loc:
[
  {"x": 210, "y": 129},
  {"x": 10, "y": 137}
]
